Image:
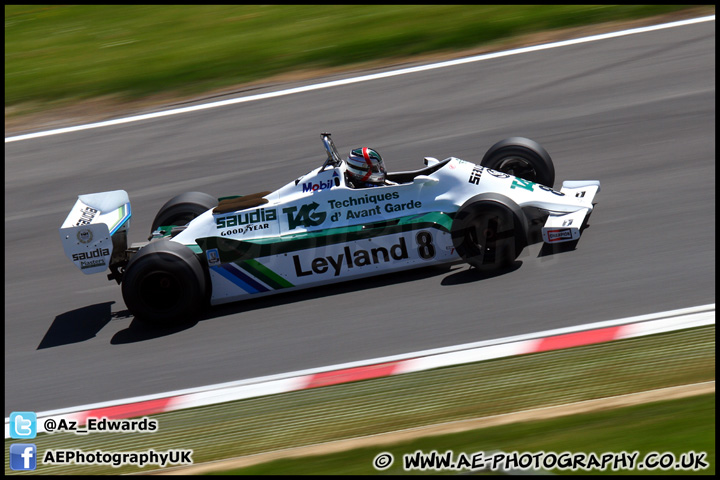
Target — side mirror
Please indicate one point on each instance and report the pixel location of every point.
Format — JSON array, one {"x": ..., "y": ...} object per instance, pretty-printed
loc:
[{"x": 333, "y": 157}]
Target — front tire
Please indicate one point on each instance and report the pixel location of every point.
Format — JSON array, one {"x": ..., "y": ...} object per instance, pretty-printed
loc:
[
  {"x": 489, "y": 234},
  {"x": 164, "y": 284},
  {"x": 522, "y": 158}
]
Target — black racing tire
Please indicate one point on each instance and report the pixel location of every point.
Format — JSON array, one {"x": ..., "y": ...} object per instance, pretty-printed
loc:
[
  {"x": 489, "y": 232},
  {"x": 181, "y": 209},
  {"x": 522, "y": 158},
  {"x": 164, "y": 284}
]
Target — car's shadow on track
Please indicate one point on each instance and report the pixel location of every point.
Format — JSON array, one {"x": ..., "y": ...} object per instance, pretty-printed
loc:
[
  {"x": 137, "y": 331},
  {"x": 470, "y": 274},
  {"x": 78, "y": 325},
  {"x": 85, "y": 323}
]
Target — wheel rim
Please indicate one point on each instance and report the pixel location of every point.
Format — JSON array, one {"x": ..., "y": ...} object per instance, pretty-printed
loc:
[
  {"x": 160, "y": 290},
  {"x": 488, "y": 239},
  {"x": 483, "y": 235},
  {"x": 518, "y": 167}
]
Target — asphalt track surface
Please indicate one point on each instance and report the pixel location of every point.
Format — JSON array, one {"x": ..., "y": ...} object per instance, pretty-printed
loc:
[{"x": 635, "y": 112}]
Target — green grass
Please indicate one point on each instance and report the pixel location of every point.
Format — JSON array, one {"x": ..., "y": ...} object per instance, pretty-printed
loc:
[
  {"x": 676, "y": 426},
  {"x": 66, "y": 53}
]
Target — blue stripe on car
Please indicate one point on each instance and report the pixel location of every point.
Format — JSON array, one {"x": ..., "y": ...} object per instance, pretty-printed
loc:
[{"x": 239, "y": 278}]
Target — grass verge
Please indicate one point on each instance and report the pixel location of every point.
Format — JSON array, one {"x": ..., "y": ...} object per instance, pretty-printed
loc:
[
  {"x": 74, "y": 52},
  {"x": 674, "y": 426}
]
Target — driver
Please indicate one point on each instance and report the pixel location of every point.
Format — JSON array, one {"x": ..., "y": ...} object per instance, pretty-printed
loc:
[{"x": 365, "y": 168}]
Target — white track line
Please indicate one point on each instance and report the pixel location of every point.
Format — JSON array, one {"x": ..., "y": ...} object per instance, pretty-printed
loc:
[
  {"x": 363, "y": 78},
  {"x": 398, "y": 364}
]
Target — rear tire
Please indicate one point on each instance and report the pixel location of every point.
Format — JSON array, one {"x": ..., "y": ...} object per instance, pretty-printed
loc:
[
  {"x": 164, "y": 284},
  {"x": 183, "y": 208},
  {"x": 522, "y": 158},
  {"x": 489, "y": 234}
]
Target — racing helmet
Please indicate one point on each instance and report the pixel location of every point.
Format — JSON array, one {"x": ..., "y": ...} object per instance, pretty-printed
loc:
[{"x": 366, "y": 165}]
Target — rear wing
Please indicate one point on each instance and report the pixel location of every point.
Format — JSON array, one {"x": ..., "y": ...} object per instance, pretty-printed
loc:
[{"x": 94, "y": 234}]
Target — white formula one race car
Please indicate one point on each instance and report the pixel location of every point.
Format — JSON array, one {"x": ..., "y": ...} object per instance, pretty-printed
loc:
[{"x": 321, "y": 228}]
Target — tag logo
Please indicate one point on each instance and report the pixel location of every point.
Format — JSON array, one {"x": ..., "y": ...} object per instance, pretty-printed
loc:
[{"x": 307, "y": 217}]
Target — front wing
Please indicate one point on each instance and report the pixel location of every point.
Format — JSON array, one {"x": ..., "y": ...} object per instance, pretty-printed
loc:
[{"x": 566, "y": 227}]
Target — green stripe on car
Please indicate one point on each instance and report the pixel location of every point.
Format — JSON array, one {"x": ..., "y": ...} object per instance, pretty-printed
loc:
[{"x": 264, "y": 274}]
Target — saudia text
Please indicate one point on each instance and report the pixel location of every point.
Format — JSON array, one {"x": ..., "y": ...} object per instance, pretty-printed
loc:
[
  {"x": 86, "y": 216},
  {"x": 256, "y": 216},
  {"x": 98, "y": 252}
]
